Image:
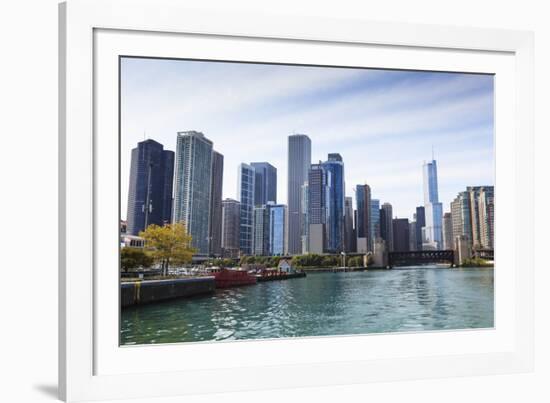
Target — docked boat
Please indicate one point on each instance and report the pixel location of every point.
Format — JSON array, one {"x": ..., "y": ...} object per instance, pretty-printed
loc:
[{"x": 226, "y": 278}]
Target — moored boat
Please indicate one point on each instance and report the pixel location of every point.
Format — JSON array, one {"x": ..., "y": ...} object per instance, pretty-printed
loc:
[{"x": 231, "y": 278}]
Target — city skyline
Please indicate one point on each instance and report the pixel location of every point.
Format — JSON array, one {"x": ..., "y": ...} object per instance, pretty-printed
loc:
[{"x": 395, "y": 180}]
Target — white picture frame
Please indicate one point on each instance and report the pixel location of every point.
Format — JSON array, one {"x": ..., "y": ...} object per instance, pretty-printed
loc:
[{"x": 92, "y": 366}]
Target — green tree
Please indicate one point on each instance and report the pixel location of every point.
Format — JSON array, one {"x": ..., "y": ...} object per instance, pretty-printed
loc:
[
  {"x": 330, "y": 261},
  {"x": 170, "y": 244},
  {"x": 355, "y": 261},
  {"x": 132, "y": 258}
]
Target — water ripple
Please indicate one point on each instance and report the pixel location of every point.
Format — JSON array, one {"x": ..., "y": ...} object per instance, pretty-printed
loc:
[{"x": 322, "y": 304}]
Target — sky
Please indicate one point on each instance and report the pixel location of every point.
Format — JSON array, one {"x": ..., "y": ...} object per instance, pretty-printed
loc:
[{"x": 384, "y": 123}]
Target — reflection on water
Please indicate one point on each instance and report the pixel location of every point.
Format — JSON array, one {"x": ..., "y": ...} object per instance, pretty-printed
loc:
[{"x": 410, "y": 299}]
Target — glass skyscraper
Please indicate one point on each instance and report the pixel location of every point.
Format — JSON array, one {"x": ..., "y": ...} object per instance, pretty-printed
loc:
[
  {"x": 363, "y": 224},
  {"x": 319, "y": 192},
  {"x": 277, "y": 214},
  {"x": 269, "y": 229},
  {"x": 299, "y": 161},
  {"x": 349, "y": 233},
  {"x": 192, "y": 185},
  {"x": 246, "y": 179},
  {"x": 335, "y": 204},
  {"x": 215, "y": 232},
  {"x": 265, "y": 186},
  {"x": 386, "y": 225},
  {"x": 433, "y": 209},
  {"x": 231, "y": 211},
  {"x": 261, "y": 231},
  {"x": 420, "y": 218},
  {"x": 374, "y": 220},
  {"x": 150, "y": 186},
  {"x": 400, "y": 234},
  {"x": 305, "y": 218}
]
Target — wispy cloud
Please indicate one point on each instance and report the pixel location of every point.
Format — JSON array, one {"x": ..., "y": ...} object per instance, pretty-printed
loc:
[{"x": 383, "y": 122}]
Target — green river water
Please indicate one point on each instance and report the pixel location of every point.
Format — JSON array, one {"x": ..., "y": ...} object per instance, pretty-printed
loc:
[{"x": 322, "y": 304}]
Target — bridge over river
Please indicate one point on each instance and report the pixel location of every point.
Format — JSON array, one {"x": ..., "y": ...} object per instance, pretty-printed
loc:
[{"x": 420, "y": 257}]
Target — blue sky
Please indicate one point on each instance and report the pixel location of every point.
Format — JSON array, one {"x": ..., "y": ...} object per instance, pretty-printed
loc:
[{"x": 384, "y": 123}]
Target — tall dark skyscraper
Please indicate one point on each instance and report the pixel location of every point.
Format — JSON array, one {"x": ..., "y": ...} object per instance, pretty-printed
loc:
[
  {"x": 363, "y": 224},
  {"x": 400, "y": 234},
  {"x": 193, "y": 187},
  {"x": 265, "y": 186},
  {"x": 261, "y": 231},
  {"x": 318, "y": 215},
  {"x": 335, "y": 202},
  {"x": 215, "y": 232},
  {"x": 231, "y": 220},
  {"x": 245, "y": 191},
  {"x": 349, "y": 232},
  {"x": 386, "y": 225},
  {"x": 374, "y": 220},
  {"x": 299, "y": 161},
  {"x": 150, "y": 187},
  {"x": 412, "y": 236},
  {"x": 420, "y": 223}
]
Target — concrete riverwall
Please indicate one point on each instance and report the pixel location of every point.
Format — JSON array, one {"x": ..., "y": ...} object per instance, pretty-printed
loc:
[{"x": 145, "y": 292}]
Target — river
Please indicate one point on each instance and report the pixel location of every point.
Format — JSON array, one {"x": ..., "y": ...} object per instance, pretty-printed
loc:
[{"x": 397, "y": 300}]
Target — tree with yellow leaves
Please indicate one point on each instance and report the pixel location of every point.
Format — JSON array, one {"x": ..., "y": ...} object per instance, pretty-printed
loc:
[{"x": 170, "y": 244}]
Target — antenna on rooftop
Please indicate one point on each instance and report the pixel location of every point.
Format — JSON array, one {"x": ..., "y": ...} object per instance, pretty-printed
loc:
[{"x": 433, "y": 153}]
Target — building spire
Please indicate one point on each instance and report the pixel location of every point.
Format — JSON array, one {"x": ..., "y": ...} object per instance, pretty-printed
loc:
[{"x": 433, "y": 153}]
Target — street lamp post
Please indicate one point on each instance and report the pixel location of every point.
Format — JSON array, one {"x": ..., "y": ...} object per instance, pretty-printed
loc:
[{"x": 343, "y": 258}]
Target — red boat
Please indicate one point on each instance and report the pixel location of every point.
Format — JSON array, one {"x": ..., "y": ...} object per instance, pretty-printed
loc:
[{"x": 231, "y": 278}]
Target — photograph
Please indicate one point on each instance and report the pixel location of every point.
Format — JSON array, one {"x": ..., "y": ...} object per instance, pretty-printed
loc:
[{"x": 267, "y": 201}]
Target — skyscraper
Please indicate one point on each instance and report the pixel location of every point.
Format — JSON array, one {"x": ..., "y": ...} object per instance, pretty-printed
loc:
[
  {"x": 386, "y": 225},
  {"x": 299, "y": 161},
  {"x": 482, "y": 216},
  {"x": 420, "y": 218},
  {"x": 305, "y": 219},
  {"x": 461, "y": 217},
  {"x": 319, "y": 192},
  {"x": 374, "y": 220},
  {"x": 487, "y": 216},
  {"x": 433, "y": 233},
  {"x": 472, "y": 214},
  {"x": 447, "y": 231},
  {"x": 412, "y": 236},
  {"x": 265, "y": 186},
  {"x": 215, "y": 232},
  {"x": 400, "y": 234},
  {"x": 246, "y": 194},
  {"x": 363, "y": 224},
  {"x": 261, "y": 231},
  {"x": 335, "y": 204},
  {"x": 269, "y": 229},
  {"x": 277, "y": 229},
  {"x": 231, "y": 212},
  {"x": 193, "y": 187},
  {"x": 150, "y": 186},
  {"x": 349, "y": 233},
  {"x": 482, "y": 211}
]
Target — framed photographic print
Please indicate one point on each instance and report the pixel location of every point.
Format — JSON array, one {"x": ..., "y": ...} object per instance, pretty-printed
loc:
[{"x": 338, "y": 201}]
